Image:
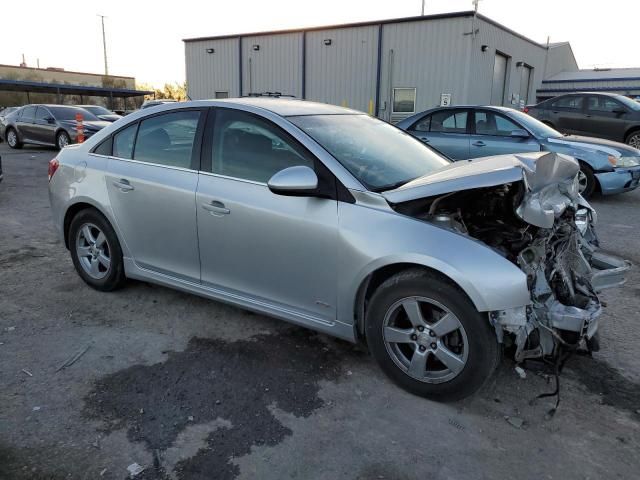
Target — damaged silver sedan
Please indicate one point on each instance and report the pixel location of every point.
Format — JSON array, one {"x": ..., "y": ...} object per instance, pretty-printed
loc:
[{"x": 337, "y": 221}]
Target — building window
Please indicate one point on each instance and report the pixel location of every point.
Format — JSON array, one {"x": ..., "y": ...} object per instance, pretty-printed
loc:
[
  {"x": 222, "y": 95},
  {"x": 404, "y": 100}
]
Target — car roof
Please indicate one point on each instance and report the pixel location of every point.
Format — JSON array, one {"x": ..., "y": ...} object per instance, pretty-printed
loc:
[{"x": 290, "y": 107}]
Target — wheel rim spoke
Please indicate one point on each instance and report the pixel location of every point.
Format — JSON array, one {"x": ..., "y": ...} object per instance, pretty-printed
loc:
[
  {"x": 418, "y": 364},
  {"x": 83, "y": 252},
  {"x": 94, "y": 266},
  {"x": 398, "y": 335},
  {"x": 452, "y": 361},
  {"x": 86, "y": 233},
  {"x": 447, "y": 324},
  {"x": 104, "y": 260},
  {"x": 412, "y": 309},
  {"x": 100, "y": 239}
]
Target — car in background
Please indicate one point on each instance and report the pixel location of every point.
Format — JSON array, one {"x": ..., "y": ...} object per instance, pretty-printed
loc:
[
  {"x": 6, "y": 111},
  {"x": 337, "y": 221},
  {"x": 466, "y": 132},
  {"x": 155, "y": 103},
  {"x": 52, "y": 125},
  {"x": 101, "y": 112},
  {"x": 602, "y": 115},
  {"x": 1, "y": 174}
]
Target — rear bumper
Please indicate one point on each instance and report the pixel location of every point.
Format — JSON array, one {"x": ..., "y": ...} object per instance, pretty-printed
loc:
[{"x": 619, "y": 181}]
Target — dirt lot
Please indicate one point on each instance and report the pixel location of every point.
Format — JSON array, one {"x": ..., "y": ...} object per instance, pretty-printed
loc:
[{"x": 193, "y": 389}]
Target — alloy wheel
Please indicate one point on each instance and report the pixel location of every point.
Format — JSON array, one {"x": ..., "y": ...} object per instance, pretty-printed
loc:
[
  {"x": 425, "y": 339},
  {"x": 63, "y": 140},
  {"x": 12, "y": 138},
  {"x": 634, "y": 140},
  {"x": 582, "y": 181},
  {"x": 93, "y": 250}
]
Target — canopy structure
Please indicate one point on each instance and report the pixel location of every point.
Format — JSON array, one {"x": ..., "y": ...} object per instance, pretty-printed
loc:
[{"x": 60, "y": 89}]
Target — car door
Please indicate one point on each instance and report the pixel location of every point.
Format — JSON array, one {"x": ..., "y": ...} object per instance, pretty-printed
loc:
[
  {"x": 494, "y": 135},
  {"x": 606, "y": 118},
  {"x": 44, "y": 127},
  {"x": 151, "y": 180},
  {"x": 257, "y": 246},
  {"x": 446, "y": 130},
  {"x": 567, "y": 114},
  {"x": 24, "y": 123}
]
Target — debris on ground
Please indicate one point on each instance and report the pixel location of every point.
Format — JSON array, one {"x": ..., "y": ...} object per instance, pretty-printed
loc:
[
  {"x": 27, "y": 372},
  {"x": 35, "y": 409},
  {"x": 74, "y": 358},
  {"x": 520, "y": 371},
  {"x": 135, "y": 469},
  {"x": 102, "y": 472},
  {"x": 516, "y": 422},
  {"x": 10, "y": 329}
]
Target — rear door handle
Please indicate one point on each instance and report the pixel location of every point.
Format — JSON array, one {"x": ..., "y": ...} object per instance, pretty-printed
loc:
[
  {"x": 479, "y": 143},
  {"x": 216, "y": 208},
  {"x": 123, "y": 185}
]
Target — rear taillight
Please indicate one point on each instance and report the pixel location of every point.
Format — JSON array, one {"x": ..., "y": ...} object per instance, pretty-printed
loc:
[
  {"x": 53, "y": 167},
  {"x": 526, "y": 110}
]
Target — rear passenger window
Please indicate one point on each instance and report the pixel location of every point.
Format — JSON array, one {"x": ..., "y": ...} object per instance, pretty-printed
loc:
[
  {"x": 123, "y": 142},
  {"x": 167, "y": 139},
  {"x": 423, "y": 124},
  {"x": 249, "y": 148},
  {"x": 104, "y": 148},
  {"x": 448, "y": 121},
  {"x": 569, "y": 103}
]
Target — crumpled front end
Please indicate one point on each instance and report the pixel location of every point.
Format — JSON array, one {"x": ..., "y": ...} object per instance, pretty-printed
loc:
[{"x": 537, "y": 220}]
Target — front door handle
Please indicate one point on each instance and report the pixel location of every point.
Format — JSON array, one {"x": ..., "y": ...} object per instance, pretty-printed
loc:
[
  {"x": 216, "y": 208},
  {"x": 479, "y": 143},
  {"x": 123, "y": 185}
]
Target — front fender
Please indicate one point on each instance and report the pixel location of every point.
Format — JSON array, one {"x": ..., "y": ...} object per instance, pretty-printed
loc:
[{"x": 372, "y": 239}]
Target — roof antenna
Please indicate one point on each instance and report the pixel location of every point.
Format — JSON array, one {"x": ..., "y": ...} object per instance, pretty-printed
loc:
[
  {"x": 423, "y": 2},
  {"x": 475, "y": 5}
]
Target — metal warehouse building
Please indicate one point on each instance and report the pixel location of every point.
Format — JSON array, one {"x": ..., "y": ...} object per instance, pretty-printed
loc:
[
  {"x": 389, "y": 68},
  {"x": 624, "y": 81}
]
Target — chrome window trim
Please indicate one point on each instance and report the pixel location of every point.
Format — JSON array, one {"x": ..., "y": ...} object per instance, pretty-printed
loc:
[
  {"x": 140, "y": 162},
  {"x": 244, "y": 180}
]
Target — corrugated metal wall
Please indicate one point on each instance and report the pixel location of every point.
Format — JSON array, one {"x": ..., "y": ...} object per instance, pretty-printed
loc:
[
  {"x": 435, "y": 56},
  {"x": 560, "y": 59},
  {"x": 208, "y": 73},
  {"x": 344, "y": 72},
  {"x": 275, "y": 67},
  {"x": 517, "y": 50},
  {"x": 431, "y": 56}
]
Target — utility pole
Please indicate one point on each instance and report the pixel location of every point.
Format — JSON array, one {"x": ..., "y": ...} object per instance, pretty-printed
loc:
[
  {"x": 475, "y": 5},
  {"x": 104, "y": 46},
  {"x": 423, "y": 2}
]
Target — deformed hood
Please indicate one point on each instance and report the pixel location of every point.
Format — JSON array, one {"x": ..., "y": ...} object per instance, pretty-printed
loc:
[{"x": 549, "y": 178}]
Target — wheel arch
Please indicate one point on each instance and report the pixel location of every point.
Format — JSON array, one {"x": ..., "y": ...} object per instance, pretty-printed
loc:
[
  {"x": 374, "y": 279},
  {"x": 73, "y": 210},
  {"x": 630, "y": 130},
  {"x": 586, "y": 164}
]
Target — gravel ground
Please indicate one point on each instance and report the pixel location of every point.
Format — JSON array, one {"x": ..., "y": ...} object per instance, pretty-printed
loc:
[{"x": 192, "y": 389}]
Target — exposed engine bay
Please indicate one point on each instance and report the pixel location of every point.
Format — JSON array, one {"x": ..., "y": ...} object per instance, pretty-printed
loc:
[{"x": 542, "y": 225}]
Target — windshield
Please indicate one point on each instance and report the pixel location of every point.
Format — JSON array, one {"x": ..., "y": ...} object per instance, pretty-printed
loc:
[
  {"x": 534, "y": 125},
  {"x": 628, "y": 102},
  {"x": 98, "y": 110},
  {"x": 379, "y": 155},
  {"x": 69, "y": 113}
]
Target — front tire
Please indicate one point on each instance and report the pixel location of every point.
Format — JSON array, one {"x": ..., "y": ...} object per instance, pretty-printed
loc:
[
  {"x": 95, "y": 251},
  {"x": 62, "y": 140},
  {"x": 428, "y": 337},
  {"x": 12, "y": 139},
  {"x": 586, "y": 181}
]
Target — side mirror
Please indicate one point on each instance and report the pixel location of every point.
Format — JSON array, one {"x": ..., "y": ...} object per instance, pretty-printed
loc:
[
  {"x": 299, "y": 181},
  {"x": 520, "y": 133}
]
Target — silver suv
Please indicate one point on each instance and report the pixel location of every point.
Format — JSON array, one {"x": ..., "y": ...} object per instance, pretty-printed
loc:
[{"x": 337, "y": 221}]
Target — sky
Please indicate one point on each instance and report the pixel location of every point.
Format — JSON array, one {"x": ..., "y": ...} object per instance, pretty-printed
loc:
[{"x": 144, "y": 38}]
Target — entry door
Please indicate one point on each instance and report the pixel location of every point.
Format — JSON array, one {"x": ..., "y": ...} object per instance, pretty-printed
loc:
[
  {"x": 499, "y": 79},
  {"x": 493, "y": 136},
  {"x": 152, "y": 189},
  {"x": 267, "y": 248},
  {"x": 446, "y": 130}
]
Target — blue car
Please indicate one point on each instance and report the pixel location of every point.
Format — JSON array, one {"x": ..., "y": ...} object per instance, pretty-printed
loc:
[{"x": 473, "y": 131}]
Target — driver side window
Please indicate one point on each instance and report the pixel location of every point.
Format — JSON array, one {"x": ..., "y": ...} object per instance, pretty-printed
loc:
[{"x": 250, "y": 148}]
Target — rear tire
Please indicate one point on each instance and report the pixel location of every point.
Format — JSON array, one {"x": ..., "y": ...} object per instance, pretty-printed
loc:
[
  {"x": 586, "y": 180},
  {"x": 62, "y": 140},
  {"x": 95, "y": 251},
  {"x": 12, "y": 138},
  {"x": 443, "y": 349},
  {"x": 633, "y": 139}
]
